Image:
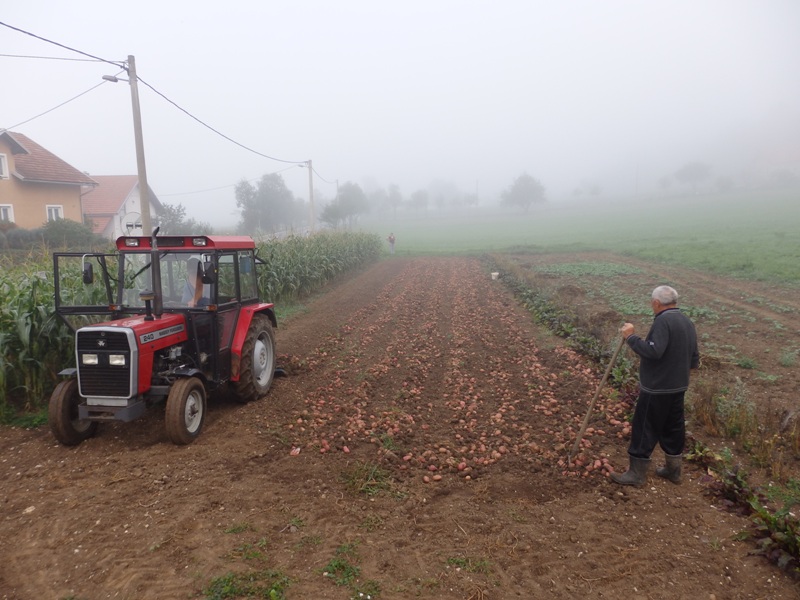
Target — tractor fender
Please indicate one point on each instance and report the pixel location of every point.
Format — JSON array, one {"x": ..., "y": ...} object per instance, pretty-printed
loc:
[
  {"x": 161, "y": 392},
  {"x": 242, "y": 326},
  {"x": 189, "y": 372}
]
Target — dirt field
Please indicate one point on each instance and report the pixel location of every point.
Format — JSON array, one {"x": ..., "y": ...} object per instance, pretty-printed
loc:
[{"x": 426, "y": 378}]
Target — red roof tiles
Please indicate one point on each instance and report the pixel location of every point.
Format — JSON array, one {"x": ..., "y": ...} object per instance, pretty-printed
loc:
[
  {"x": 35, "y": 163},
  {"x": 105, "y": 200}
]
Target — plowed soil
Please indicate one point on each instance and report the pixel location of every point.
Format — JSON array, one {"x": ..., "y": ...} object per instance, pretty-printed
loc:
[{"x": 419, "y": 436}]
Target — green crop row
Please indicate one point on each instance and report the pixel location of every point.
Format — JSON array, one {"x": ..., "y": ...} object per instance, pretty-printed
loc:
[
  {"x": 35, "y": 345},
  {"x": 33, "y": 341},
  {"x": 296, "y": 266},
  {"x": 583, "y": 269}
]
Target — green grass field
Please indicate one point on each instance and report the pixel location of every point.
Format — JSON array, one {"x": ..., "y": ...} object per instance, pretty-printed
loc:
[{"x": 753, "y": 236}]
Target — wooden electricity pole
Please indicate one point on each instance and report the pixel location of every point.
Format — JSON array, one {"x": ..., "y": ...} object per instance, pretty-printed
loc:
[
  {"x": 311, "y": 195},
  {"x": 144, "y": 188}
]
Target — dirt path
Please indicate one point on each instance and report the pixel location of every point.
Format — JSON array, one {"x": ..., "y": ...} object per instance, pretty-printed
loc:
[{"x": 424, "y": 370}]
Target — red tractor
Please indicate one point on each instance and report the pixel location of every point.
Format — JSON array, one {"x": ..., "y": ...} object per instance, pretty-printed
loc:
[{"x": 162, "y": 319}]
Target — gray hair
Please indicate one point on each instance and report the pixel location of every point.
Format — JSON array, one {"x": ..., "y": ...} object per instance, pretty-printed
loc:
[{"x": 665, "y": 295}]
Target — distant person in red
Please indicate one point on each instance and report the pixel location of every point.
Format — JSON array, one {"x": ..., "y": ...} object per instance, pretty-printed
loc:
[
  {"x": 667, "y": 354},
  {"x": 390, "y": 239}
]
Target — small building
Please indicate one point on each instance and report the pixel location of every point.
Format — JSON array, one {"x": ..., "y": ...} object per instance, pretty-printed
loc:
[
  {"x": 113, "y": 206},
  {"x": 36, "y": 186}
]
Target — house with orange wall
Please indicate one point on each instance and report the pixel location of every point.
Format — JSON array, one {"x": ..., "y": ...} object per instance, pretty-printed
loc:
[{"x": 36, "y": 186}]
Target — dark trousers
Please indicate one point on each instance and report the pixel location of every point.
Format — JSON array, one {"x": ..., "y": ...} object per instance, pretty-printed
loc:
[{"x": 658, "y": 419}]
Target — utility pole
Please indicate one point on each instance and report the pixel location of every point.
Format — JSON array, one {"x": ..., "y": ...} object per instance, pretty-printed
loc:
[
  {"x": 144, "y": 189},
  {"x": 311, "y": 194}
]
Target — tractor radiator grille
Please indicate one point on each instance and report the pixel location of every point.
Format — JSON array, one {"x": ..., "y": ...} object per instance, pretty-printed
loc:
[{"x": 103, "y": 380}]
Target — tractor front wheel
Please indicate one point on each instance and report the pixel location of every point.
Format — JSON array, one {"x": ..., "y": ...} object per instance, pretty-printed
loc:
[
  {"x": 63, "y": 415},
  {"x": 258, "y": 360},
  {"x": 186, "y": 410}
]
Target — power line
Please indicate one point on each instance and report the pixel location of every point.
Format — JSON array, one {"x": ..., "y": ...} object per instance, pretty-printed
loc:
[
  {"x": 183, "y": 110},
  {"x": 122, "y": 65},
  {"x": 219, "y": 133},
  {"x": 321, "y": 177},
  {"x": 50, "y": 57},
  {"x": 38, "y": 37},
  {"x": 222, "y": 187},
  {"x": 55, "y": 107}
]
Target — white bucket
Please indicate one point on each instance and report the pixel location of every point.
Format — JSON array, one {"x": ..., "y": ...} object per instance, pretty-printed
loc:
[{"x": 495, "y": 275}]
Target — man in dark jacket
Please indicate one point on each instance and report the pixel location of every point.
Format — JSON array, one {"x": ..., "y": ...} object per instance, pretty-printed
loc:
[{"x": 667, "y": 355}]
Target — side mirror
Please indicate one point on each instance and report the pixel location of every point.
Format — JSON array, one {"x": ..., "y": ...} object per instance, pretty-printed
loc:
[
  {"x": 246, "y": 264},
  {"x": 88, "y": 273},
  {"x": 209, "y": 274}
]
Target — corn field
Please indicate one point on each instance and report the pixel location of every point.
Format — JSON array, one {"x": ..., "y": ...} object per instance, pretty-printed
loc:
[
  {"x": 35, "y": 345},
  {"x": 296, "y": 266}
]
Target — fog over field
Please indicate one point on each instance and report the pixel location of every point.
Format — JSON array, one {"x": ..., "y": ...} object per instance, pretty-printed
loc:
[{"x": 596, "y": 100}]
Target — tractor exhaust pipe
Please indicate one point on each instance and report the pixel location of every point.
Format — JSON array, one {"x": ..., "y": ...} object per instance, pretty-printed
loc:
[{"x": 155, "y": 269}]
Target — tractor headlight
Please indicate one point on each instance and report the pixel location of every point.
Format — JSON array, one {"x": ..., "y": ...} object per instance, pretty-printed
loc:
[
  {"x": 116, "y": 360},
  {"x": 89, "y": 359}
]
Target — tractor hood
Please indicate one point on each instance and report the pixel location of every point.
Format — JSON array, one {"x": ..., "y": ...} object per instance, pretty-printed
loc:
[{"x": 168, "y": 330}]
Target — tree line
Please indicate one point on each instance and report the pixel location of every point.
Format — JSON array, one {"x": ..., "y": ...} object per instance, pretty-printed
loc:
[{"x": 269, "y": 206}]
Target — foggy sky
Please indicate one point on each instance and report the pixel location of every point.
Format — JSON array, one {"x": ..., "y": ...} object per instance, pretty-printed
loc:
[{"x": 617, "y": 93}]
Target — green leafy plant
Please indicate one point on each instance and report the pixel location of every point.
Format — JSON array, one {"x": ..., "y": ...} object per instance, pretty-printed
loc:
[
  {"x": 267, "y": 584},
  {"x": 372, "y": 522},
  {"x": 239, "y": 528},
  {"x": 787, "y": 494},
  {"x": 788, "y": 358},
  {"x": 341, "y": 568},
  {"x": 247, "y": 552},
  {"x": 776, "y": 532},
  {"x": 388, "y": 442},
  {"x": 471, "y": 565},
  {"x": 367, "y": 478},
  {"x": 777, "y": 536},
  {"x": 746, "y": 363},
  {"x": 309, "y": 540}
]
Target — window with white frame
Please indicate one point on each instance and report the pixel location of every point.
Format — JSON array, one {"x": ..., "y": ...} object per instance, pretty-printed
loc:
[
  {"x": 54, "y": 212},
  {"x": 3, "y": 166},
  {"x": 6, "y": 213}
]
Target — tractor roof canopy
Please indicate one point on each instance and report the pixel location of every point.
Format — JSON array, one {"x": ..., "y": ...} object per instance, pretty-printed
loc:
[{"x": 187, "y": 242}]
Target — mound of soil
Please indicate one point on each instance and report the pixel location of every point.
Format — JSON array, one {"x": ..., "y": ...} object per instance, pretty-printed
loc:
[{"x": 419, "y": 438}]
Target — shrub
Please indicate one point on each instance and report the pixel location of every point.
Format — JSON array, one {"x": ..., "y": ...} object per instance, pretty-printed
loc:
[
  {"x": 20, "y": 238},
  {"x": 64, "y": 233}
]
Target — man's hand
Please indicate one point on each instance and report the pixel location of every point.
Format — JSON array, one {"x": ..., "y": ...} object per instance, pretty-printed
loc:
[{"x": 626, "y": 330}]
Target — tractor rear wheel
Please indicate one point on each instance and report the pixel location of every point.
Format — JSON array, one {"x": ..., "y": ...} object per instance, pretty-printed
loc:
[
  {"x": 63, "y": 415},
  {"x": 258, "y": 360},
  {"x": 186, "y": 410}
]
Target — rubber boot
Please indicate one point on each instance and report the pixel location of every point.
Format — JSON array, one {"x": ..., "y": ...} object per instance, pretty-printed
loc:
[
  {"x": 636, "y": 473},
  {"x": 672, "y": 470}
]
